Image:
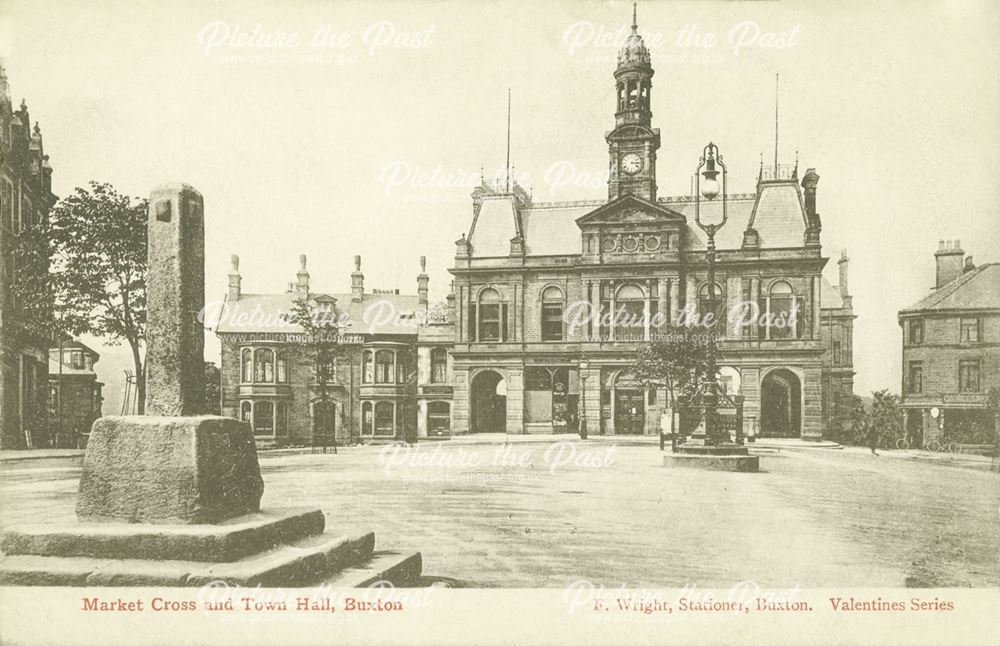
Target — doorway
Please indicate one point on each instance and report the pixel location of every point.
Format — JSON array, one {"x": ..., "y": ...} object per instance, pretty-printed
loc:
[{"x": 489, "y": 405}]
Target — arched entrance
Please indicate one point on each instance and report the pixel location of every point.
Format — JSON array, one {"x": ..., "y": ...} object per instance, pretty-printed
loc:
[
  {"x": 489, "y": 403},
  {"x": 780, "y": 404}
]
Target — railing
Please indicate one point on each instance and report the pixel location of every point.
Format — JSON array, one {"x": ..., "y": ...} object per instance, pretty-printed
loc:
[{"x": 778, "y": 172}]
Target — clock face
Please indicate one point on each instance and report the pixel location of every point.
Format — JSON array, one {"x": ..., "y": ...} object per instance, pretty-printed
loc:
[{"x": 631, "y": 163}]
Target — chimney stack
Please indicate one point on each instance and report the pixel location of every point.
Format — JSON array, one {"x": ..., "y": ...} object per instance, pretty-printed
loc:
[
  {"x": 809, "y": 182},
  {"x": 969, "y": 265},
  {"x": 234, "y": 278},
  {"x": 422, "y": 281},
  {"x": 357, "y": 281},
  {"x": 302, "y": 280},
  {"x": 845, "y": 292},
  {"x": 948, "y": 258}
]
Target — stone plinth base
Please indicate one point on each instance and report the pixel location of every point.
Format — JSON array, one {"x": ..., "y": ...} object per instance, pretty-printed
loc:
[
  {"x": 269, "y": 549},
  {"x": 725, "y": 457},
  {"x": 169, "y": 470}
]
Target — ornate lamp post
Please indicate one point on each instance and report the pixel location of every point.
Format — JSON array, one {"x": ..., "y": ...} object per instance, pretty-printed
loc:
[
  {"x": 582, "y": 367},
  {"x": 707, "y": 186}
]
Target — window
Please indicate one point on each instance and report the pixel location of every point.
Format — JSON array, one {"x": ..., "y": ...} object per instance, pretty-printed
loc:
[
  {"x": 282, "y": 370},
  {"x": 714, "y": 304},
  {"x": 552, "y": 314},
  {"x": 246, "y": 411},
  {"x": 969, "y": 330},
  {"x": 630, "y": 313},
  {"x": 247, "y": 359},
  {"x": 263, "y": 418},
  {"x": 836, "y": 352},
  {"x": 781, "y": 307},
  {"x": 263, "y": 365},
  {"x": 651, "y": 397},
  {"x": 402, "y": 367},
  {"x": 384, "y": 364},
  {"x": 489, "y": 316},
  {"x": 366, "y": 418},
  {"x": 968, "y": 376},
  {"x": 916, "y": 332},
  {"x": 439, "y": 365},
  {"x": 53, "y": 399},
  {"x": 384, "y": 418},
  {"x": 916, "y": 377},
  {"x": 367, "y": 367}
]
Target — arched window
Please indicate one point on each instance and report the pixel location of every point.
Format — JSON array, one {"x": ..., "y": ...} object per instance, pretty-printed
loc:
[
  {"x": 781, "y": 311},
  {"x": 438, "y": 418},
  {"x": 488, "y": 320},
  {"x": 552, "y": 314},
  {"x": 630, "y": 313},
  {"x": 714, "y": 304},
  {"x": 263, "y": 418},
  {"x": 384, "y": 364},
  {"x": 439, "y": 365},
  {"x": 367, "y": 367},
  {"x": 247, "y": 360},
  {"x": 246, "y": 411},
  {"x": 281, "y": 419},
  {"x": 385, "y": 418},
  {"x": 263, "y": 366},
  {"x": 366, "y": 418}
]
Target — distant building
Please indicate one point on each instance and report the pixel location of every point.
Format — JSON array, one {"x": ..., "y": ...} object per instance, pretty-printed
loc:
[
  {"x": 25, "y": 199},
  {"x": 268, "y": 379},
  {"x": 951, "y": 351},
  {"x": 75, "y": 394}
]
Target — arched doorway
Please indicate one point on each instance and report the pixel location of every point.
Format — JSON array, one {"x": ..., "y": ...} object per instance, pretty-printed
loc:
[
  {"x": 780, "y": 404},
  {"x": 489, "y": 403}
]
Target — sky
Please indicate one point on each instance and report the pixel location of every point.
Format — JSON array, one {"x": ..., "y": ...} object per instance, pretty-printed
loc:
[{"x": 336, "y": 129}]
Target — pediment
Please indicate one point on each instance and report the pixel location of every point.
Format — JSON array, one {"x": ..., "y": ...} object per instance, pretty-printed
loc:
[{"x": 630, "y": 210}]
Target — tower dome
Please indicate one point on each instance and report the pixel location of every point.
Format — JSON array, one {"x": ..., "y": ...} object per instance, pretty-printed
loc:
[{"x": 634, "y": 51}]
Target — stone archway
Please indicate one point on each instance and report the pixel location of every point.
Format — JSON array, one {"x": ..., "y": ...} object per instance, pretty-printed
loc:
[
  {"x": 781, "y": 404},
  {"x": 488, "y": 403}
]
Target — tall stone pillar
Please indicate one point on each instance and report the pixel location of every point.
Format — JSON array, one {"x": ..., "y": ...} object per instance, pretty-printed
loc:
[
  {"x": 175, "y": 346},
  {"x": 675, "y": 299}
]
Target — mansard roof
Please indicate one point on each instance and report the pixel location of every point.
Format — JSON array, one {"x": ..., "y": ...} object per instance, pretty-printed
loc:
[
  {"x": 776, "y": 211},
  {"x": 976, "y": 289}
]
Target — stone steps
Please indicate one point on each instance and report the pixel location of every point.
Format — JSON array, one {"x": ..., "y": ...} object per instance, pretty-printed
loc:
[{"x": 400, "y": 570}]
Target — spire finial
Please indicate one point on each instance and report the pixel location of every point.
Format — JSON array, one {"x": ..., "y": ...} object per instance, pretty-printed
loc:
[{"x": 635, "y": 23}]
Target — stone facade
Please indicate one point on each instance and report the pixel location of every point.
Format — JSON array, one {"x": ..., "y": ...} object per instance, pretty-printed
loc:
[
  {"x": 75, "y": 394},
  {"x": 268, "y": 376},
  {"x": 951, "y": 351},
  {"x": 527, "y": 270},
  {"x": 25, "y": 200}
]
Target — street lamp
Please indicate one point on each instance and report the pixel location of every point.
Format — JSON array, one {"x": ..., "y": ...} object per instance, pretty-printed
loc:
[
  {"x": 708, "y": 187},
  {"x": 582, "y": 368}
]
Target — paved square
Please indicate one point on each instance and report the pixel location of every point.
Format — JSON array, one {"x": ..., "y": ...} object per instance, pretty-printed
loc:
[{"x": 614, "y": 515}]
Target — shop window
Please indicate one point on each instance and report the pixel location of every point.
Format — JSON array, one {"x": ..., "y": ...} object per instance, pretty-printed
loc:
[{"x": 438, "y": 418}]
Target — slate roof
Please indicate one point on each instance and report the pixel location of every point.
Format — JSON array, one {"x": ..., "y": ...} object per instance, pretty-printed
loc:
[
  {"x": 978, "y": 289},
  {"x": 377, "y": 314},
  {"x": 550, "y": 228}
]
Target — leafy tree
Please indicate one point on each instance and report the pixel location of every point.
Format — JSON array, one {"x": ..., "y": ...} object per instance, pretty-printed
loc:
[
  {"x": 677, "y": 360},
  {"x": 98, "y": 239},
  {"x": 886, "y": 416},
  {"x": 321, "y": 345},
  {"x": 213, "y": 389}
]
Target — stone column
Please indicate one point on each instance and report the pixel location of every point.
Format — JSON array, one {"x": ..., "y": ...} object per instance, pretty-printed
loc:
[
  {"x": 175, "y": 337},
  {"x": 663, "y": 285},
  {"x": 675, "y": 299}
]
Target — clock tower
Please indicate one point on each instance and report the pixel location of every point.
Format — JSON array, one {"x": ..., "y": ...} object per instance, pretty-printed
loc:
[{"x": 632, "y": 145}]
